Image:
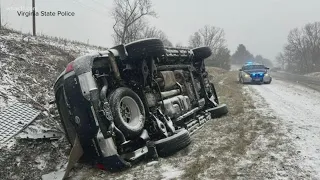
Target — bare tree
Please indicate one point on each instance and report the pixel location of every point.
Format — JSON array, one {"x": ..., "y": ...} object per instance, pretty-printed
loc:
[
  {"x": 312, "y": 43},
  {"x": 128, "y": 16},
  {"x": 195, "y": 40},
  {"x": 153, "y": 32},
  {"x": 208, "y": 36},
  {"x": 135, "y": 30},
  {"x": 302, "y": 52},
  {"x": 179, "y": 45},
  {"x": 280, "y": 58},
  {"x": 214, "y": 38},
  {"x": 260, "y": 59},
  {"x": 221, "y": 59}
]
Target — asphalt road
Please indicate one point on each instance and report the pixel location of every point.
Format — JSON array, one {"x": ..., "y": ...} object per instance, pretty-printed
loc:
[
  {"x": 310, "y": 82},
  {"x": 295, "y": 109}
]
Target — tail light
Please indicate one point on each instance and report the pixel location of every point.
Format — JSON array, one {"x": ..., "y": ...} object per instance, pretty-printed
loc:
[
  {"x": 69, "y": 67},
  {"x": 100, "y": 166}
]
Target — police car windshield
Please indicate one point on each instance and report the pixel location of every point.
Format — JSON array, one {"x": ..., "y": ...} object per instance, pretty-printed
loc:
[{"x": 250, "y": 67}]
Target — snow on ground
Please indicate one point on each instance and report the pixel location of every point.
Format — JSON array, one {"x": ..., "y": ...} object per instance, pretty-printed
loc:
[
  {"x": 249, "y": 143},
  {"x": 66, "y": 45},
  {"x": 29, "y": 65},
  {"x": 28, "y": 68},
  {"x": 314, "y": 74},
  {"x": 298, "y": 110},
  {"x": 235, "y": 67},
  {"x": 171, "y": 172}
]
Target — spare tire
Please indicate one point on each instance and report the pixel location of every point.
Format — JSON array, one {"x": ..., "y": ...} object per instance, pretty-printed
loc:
[
  {"x": 128, "y": 111},
  {"x": 145, "y": 47},
  {"x": 172, "y": 144},
  {"x": 201, "y": 53}
]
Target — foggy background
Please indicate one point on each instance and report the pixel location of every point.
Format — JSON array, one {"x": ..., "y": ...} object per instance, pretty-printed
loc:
[{"x": 262, "y": 26}]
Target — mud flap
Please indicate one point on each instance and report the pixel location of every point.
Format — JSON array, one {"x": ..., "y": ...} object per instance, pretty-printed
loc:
[
  {"x": 218, "y": 111},
  {"x": 75, "y": 154}
]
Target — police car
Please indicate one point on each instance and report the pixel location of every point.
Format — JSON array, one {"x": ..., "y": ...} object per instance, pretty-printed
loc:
[{"x": 254, "y": 73}]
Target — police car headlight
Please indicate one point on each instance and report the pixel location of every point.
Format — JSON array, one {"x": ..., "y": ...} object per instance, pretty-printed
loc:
[
  {"x": 266, "y": 74},
  {"x": 246, "y": 75}
]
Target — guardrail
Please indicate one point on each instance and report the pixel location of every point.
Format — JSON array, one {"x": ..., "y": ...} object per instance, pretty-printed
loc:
[{"x": 296, "y": 77}]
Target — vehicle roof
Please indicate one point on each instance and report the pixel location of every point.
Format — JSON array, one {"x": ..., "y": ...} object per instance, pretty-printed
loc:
[
  {"x": 254, "y": 66},
  {"x": 251, "y": 64}
]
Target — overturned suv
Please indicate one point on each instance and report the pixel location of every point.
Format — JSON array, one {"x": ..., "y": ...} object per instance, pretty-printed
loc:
[{"x": 134, "y": 101}]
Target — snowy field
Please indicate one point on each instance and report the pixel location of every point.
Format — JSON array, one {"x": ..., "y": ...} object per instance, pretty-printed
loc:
[
  {"x": 29, "y": 66},
  {"x": 235, "y": 67},
  {"x": 314, "y": 74},
  {"x": 298, "y": 109}
]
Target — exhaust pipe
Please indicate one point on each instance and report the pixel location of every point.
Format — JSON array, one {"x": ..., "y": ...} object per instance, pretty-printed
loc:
[
  {"x": 103, "y": 98},
  {"x": 103, "y": 92}
]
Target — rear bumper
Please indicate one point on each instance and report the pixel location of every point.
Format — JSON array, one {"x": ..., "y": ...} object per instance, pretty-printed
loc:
[
  {"x": 79, "y": 118},
  {"x": 76, "y": 114}
]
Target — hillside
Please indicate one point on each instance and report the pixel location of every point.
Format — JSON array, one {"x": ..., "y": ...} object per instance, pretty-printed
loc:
[{"x": 29, "y": 66}]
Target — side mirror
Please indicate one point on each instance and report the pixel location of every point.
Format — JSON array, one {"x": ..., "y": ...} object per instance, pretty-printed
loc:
[
  {"x": 240, "y": 69},
  {"x": 267, "y": 68}
]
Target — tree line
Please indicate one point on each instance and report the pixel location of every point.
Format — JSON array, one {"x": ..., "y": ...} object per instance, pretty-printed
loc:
[
  {"x": 301, "y": 53},
  {"x": 130, "y": 24},
  {"x": 242, "y": 55}
]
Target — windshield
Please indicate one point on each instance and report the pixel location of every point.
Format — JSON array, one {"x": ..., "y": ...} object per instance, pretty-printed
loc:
[{"x": 252, "y": 67}]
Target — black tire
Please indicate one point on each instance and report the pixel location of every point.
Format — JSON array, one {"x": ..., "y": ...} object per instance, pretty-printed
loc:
[
  {"x": 145, "y": 47},
  {"x": 124, "y": 97},
  {"x": 201, "y": 53},
  {"x": 170, "y": 145},
  {"x": 218, "y": 111}
]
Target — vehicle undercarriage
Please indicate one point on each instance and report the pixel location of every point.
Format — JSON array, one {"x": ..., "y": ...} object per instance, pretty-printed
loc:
[{"x": 134, "y": 101}]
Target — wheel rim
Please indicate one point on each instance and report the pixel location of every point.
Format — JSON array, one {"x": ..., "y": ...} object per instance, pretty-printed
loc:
[{"x": 129, "y": 111}]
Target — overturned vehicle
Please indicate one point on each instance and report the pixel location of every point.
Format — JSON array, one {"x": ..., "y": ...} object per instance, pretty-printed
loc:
[{"x": 135, "y": 101}]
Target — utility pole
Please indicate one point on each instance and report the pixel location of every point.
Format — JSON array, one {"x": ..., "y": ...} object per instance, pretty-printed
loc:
[
  {"x": 34, "y": 17},
  {"x": 0, "y": 16}
]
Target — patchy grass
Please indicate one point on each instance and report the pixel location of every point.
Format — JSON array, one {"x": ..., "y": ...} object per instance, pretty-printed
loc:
[
  {"x": 28, "y": 68},
  {"x": 242, "y": 144},
  {"x": 245, "y": 144},
  {"x": 248, "y": 143}
]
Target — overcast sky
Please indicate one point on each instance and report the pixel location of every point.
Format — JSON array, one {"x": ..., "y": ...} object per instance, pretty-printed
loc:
[{"x": 261, "y": 25}]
